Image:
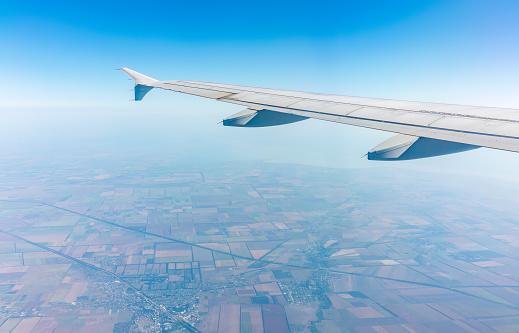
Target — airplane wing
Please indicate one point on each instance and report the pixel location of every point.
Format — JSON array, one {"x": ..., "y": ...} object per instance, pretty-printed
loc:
[{"x": 424, "y": 129}]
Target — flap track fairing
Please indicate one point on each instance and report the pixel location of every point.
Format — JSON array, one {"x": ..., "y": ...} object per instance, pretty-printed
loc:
[
  {"x": 405, "y": 147},
  {"x": 261, "y": 118}
]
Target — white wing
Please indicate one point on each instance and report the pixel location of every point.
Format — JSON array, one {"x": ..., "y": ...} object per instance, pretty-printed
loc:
[{"x": 425, "y": 129}]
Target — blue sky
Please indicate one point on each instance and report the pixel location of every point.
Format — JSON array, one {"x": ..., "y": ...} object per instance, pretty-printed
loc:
[{"x": 61, "y": 55}]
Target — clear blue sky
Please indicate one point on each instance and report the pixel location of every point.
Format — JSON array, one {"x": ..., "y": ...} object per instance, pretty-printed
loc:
[{"x": 63, "y": 54}]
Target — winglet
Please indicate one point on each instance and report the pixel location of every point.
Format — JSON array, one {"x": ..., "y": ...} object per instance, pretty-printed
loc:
[
  {"x": 142, "y": 83},
  {"x": 138, "y": 77}
]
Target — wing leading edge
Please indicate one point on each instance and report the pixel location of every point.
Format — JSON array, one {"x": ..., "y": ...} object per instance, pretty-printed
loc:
[{"x": 424, "y": 129}]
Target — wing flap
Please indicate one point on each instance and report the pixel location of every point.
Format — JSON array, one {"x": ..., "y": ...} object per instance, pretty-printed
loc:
[
  {"x": 264, "y": 99},
  {"x": 478, "y": 125},
  {"x": 396, "y": 116},
  {"x": 325, "y": 107}
]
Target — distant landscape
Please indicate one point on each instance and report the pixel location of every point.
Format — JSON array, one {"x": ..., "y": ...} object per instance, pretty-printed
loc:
[{"x": 147, "y": 245}]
